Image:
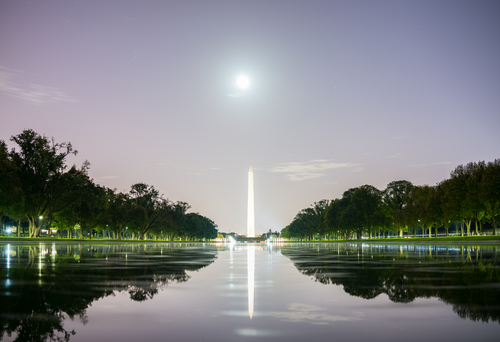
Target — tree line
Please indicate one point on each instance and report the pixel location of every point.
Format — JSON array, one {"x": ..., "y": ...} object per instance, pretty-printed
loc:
[
  {"x": 468, "y": 199},
  {"x": 39, "y": 189}
]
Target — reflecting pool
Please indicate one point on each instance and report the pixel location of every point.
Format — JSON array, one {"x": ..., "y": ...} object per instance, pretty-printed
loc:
[{"x": 208, "y": 292}]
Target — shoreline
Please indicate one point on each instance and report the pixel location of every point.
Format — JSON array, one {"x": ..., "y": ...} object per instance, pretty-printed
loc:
[{"x": 489, "y": 239}]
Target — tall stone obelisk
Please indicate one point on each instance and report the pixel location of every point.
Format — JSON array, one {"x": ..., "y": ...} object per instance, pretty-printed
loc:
[{"x": 250, "y": 218}]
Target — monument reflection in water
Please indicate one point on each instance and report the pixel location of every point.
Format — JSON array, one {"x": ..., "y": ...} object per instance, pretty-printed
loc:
[
  {"x": 79, "y": 292},
  {"x": 251, "y": 278}
]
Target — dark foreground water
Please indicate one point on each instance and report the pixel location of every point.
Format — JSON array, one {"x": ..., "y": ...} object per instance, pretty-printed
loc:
[{"x": 203, "y": 292}]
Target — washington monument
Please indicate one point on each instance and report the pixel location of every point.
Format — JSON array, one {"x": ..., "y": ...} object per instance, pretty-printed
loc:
[{"x": 250, "y": 218}]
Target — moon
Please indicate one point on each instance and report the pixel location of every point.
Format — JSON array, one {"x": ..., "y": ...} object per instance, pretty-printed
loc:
[{"x": 242, "y": 82}]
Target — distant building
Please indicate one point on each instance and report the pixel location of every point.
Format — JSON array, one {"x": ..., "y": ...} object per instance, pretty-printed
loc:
[{"x": 272, "y": 234}]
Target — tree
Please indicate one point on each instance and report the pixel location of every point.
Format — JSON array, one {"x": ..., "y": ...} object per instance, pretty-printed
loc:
[
  {"x": 332, "y": 217},
  {"x": 463, "y": 192},
  {"x": 451, "y": 213},
  {"x": 396, "y": 198},
  {"x": 66, "y": 220},
  {"x": 359, "y": 211},
  {"x": 285, "y": 232},
  {"x": 174, "y": 221},
  {"x": 490, "y": 191},
  {"x": 153, "y": 203},
  {"x": 90, "y": 207},
  {"x": 201, "y": 227},
  {"x": 366, "y": 201},
  {"x": 310, "y": 221},
  {"x": 47, "y": 184},
  {"x": 86, "y": 211},
  {"x": 11, "y": 193},
  {"x": 434, "y": 211},
  {"x": 121, "y": 212},
  {"x": 313, "y": 218},
  {"x": 421, "y": 203},
  {"x": 339, "y": 216},
  {"x": 443, "y": 217},
  {"x": 473, "y": 201}
]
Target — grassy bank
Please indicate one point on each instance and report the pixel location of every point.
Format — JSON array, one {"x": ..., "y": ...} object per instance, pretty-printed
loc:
[{"x": 487, "y": 238}]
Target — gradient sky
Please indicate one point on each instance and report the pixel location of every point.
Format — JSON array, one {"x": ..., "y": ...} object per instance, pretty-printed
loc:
[{"x": 343, "y": 93}]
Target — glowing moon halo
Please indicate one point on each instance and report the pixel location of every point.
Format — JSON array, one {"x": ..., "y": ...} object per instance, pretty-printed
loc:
[{"x": 242, "y": 82}]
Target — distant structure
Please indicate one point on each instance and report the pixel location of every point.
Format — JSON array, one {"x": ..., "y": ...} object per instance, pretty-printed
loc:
[
  {"x": 250, "y": 217},
  {"x": 271, "y": 233}
]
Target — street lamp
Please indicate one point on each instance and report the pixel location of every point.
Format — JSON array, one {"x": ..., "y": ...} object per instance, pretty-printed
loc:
[{"x": 40, "y": 225}]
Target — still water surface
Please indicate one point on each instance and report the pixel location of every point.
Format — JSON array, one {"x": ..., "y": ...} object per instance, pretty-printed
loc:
[{"x": 291, "y": 292}]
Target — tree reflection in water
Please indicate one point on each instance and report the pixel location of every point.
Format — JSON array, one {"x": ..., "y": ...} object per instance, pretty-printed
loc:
[
  {"x": 467, "y": 277},
  {"x": 41, "y": 285}
]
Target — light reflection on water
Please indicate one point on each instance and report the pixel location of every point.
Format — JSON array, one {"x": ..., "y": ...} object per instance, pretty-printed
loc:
[
  {"x": 251, "y": 278},
  {"x": 289, "y": 292}
]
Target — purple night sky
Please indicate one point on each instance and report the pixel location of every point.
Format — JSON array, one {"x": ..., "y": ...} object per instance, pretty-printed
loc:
[{"x": 342, "y": 93}]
